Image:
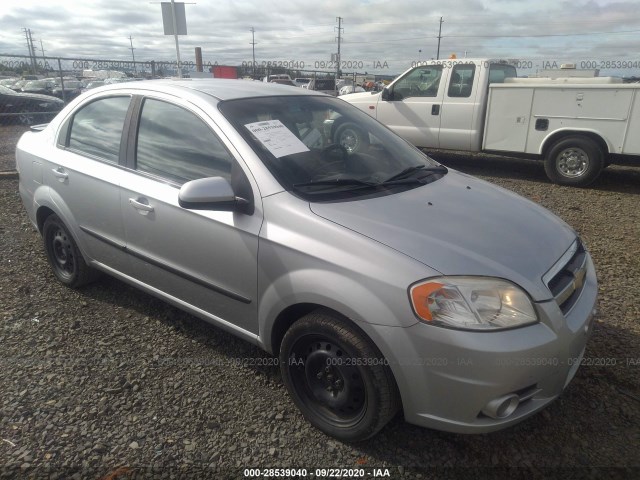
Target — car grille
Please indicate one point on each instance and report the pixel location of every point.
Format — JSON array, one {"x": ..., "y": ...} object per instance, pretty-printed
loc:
[{"x": 566, "y": 278}]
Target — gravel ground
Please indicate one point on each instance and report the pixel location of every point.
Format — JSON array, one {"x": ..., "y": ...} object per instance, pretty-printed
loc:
[
  {"x": 108, "y": 382},
  {"x": 9, "y": 135}
]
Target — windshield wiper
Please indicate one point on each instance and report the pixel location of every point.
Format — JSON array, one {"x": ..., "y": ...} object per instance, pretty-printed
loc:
[
  {"x": 336, "y": 182},
  {"x": 407, "y": 173}
]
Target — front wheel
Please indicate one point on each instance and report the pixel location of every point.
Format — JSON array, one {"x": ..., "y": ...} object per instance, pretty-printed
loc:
[
  {"x": 337, "y": 377},
  {"x": 26, "y": 118},
  {"x": 575, "y": 161},
  {"x": 64, "y": 255}
]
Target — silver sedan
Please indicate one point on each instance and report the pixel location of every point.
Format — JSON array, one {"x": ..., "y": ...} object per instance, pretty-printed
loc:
[{"x": 380, "y": 280}]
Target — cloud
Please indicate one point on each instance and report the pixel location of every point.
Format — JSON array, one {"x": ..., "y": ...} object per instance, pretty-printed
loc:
[{"x": 396, "y": 32}]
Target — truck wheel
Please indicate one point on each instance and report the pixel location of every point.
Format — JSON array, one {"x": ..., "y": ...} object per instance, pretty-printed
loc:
[
  {"x": 575, "y": 161},
  {"x": 351, "y": 137},
  {"x": 337, "y": 377}
]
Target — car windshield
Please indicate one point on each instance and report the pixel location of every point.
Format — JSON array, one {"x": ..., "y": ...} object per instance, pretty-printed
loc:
[
  {"x": 72, "y": 84},
  {"x": 6, "y": 90},
  {"x": 36, "y": 84},
  {"x": 323, "y": 149}
]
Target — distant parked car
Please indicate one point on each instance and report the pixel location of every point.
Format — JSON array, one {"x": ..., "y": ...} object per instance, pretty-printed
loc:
[
  {"x": 350, "y": 89},
  {"x": 110, "y": 81},
  {"x": 44, "y": 87},
  {"x": 324, "y": 85},
  {"x": 279, "y": 76},
  {"x": 283, "y": 81},
  {"x": 17, "y": 86},
  {"x": 72, "y": 88},
  {"x": 301, "y": 82},
  {"x": 27, "y": 108},
  {"x": 8, "y": 82},
  {"x": 94, "y": 84}
]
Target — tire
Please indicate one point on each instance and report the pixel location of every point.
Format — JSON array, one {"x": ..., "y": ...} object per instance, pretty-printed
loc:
[
  {"x": 337, "y": 377},
  {"x": 26, "y": 118},
  {"x": 351, "y": 137},
  {"x": 575, "y": 161},
  {"x": 64, "y": 255}
]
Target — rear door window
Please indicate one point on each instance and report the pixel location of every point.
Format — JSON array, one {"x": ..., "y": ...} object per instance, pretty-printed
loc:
[
  {"x": 461, "y": 82},
  {"x": 96, "y": 129}
]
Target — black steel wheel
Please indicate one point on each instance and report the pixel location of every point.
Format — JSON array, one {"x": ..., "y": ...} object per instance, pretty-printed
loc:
[
  {"x": 64, "y": 255},
  {"x": 337, "y": 377},
  {"x": 575, "y": 160},
  {"x": 26, "y": 117}
]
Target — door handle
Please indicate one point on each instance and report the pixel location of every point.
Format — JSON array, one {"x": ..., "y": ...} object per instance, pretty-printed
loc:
[
  {"x": 144, "y": 208},
  {"x": 60, "y": 174},
  {"x": 435, "y": 109}
]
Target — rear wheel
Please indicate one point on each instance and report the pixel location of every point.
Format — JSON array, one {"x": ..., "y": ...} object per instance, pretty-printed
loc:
[
  {"x": 575, "y": 160},
  {"x": 351, "y": 137},
  {"x": 337, "y": 377},
  {"x": 64, "y": 255}
]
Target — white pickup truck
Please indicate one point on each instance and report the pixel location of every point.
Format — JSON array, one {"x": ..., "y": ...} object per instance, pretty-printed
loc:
[{"x": 577, "y": 125}]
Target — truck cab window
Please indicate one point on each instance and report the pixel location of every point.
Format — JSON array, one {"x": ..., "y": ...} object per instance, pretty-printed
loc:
[
  {"x": 420, "y": 82},
  {"x": 461, "y": 82}
]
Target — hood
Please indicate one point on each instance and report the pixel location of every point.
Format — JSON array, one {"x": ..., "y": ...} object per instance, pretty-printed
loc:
[
  {"x": 459, "y": 225},
  {"x": 370, "y": 96},
  {"x": 37, "y": 96}
]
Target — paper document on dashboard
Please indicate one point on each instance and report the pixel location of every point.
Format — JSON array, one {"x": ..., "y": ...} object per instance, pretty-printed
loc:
[{"x": 277, "y": 138}]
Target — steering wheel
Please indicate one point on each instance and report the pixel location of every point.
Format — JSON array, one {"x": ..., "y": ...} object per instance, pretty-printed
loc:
[{"x": 332, "y": 165}]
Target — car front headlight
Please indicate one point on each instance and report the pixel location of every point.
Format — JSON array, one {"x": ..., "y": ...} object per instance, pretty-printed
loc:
[{"x": 472, "y": 303}]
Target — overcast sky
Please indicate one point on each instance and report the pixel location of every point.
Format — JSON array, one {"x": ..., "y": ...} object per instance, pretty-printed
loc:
[{"x": 386, "y": 36}]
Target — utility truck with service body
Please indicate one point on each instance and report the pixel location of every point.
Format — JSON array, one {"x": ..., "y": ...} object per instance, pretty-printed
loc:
[{"x": 577, "y": 125}]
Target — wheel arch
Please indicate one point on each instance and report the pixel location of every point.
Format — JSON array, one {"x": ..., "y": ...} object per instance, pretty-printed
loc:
[
  {"x": 50, "y": 203},
  {"x": 548, "y": 143},
  {"x": 293, "y": 313},
  {"x": 41, "y": 216},
  {"x": 293, "y": 294}
]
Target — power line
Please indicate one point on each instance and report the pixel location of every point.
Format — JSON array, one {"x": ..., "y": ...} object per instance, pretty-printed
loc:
[{"x": 545, "y": 35}]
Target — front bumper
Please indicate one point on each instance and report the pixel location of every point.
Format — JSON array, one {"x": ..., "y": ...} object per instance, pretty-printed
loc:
[{"x": 447, "y": 377}]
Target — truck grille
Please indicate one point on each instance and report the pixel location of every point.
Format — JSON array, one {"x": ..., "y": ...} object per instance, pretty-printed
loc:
[{"x": 566, "y": 278}]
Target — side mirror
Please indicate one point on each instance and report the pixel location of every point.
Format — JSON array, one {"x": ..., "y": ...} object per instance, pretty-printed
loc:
[
  {"x": 213, "y": 193},
  {"x": 387, "y": 94}
]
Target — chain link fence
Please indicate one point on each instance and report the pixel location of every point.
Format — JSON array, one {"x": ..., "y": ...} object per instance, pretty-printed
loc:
[
  {"x": 62, "y": 79},
  {"x": 65, "y": 78}
]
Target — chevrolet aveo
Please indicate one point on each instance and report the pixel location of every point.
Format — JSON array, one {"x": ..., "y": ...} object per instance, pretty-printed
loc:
[{"x": 380, "y": 279}]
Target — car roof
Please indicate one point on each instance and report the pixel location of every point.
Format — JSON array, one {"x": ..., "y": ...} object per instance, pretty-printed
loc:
[{"x": 221, "y": 89}]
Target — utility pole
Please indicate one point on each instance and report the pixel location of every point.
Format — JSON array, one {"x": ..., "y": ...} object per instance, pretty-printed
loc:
[
  {"x": 339, "y": 19},
  {"x": 253, "y": 49},
  {"x": 34, "y": 63},
  {"x": 132, "y": 54},
  {"x": 439, "y": 38},
  {"x": 26, "y": 35},
  {"x": 32, "y": 52},
  {"x": 42, "y": 49}
]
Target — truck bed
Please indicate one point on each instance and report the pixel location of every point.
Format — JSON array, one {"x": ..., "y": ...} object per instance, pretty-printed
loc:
[{"x": 521, "y": 117}]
